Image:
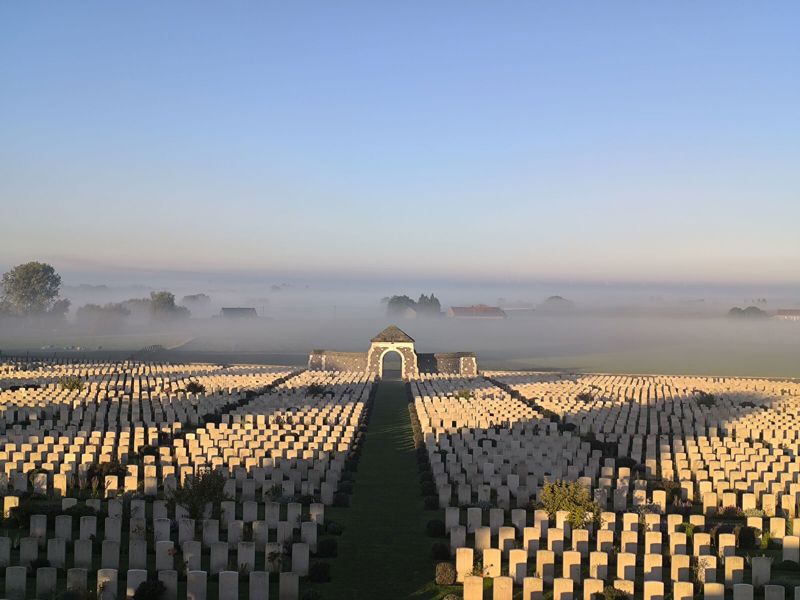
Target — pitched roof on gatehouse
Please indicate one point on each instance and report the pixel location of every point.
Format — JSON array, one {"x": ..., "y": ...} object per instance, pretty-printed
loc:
[{"x": 393, "y": 334}]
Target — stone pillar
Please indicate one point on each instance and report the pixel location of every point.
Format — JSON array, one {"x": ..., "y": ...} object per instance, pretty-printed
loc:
[
  {"x": 288, "y": 586},
  {"x": 682, "y": 590},
  {"x": 713, "y": 591},
  {"x": 46, "y": 582},
  {"x": 228, "y": 585},
  {"x": 107, "y": 584},
  {"x": 502, "y": 588},
  {"x": 133, "y": 580},
  {"x": 653, "y": 590},
  {"x": 170, "y": 581},
  {"x": 761, "y": 567},
  {"x": 742, "y": 591},
  {"x": 464, "y": 563},
  {"x": 592, "y": 587},
  {"x": 77, "y": 581},
  {"x": 196, "y": 585},
  {"x": 259, "y": 585},
  {"x": 473, "y": 588},
  {"x": 532, "y": 588},
  {"x": 774, "y": 592},
  {"x": 562, "y": 589},
  {"x": 16, "y": 583}
]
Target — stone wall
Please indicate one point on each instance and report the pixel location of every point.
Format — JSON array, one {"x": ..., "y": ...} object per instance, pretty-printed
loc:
[
  {"x": 452, "y": 363},
  {"x": 331, "y": 360}
]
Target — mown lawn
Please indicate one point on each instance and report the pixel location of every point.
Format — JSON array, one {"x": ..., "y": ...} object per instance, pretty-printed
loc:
[{"x": 383, "y": 550}]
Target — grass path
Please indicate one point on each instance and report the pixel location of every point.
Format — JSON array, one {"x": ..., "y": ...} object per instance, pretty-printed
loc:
[{"x": 384, "y": 552}]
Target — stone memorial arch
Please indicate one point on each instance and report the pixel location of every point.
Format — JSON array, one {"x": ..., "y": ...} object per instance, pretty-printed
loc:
[{"x": 394, "y": 339}]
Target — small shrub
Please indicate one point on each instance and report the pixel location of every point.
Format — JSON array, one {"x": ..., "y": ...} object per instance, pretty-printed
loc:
[
  {"x": 721, "y": 528},
  {"x": 704, "y": 399},
  {"x": 766, "y": 539},
  {"x": 327, "y": 548},
  {"x": 584, "y": 397},
  {"x": 477, "y": 567},
  {"x": 148, "y": 450},
  {"x": 315, "y": 389},
  {"x": 435, "y": 528},
  {"x": 626, "y": 462},
  {"x": 612, "y": 593},
  {"x": 445, "y": 573},
  {"x": 786, "y": 565},
  {"x": 208, "y": 486},
  {"x": 431, "y": 503},
  {"x": 274, "y": 492},
  {"x": 152, "y": 589},
  {"x": 754, "y": 512},
  {"x": 746, "y": 537},
  {"x": 71, "y": 383},
  {"x": 573, "y": 498},
  {"x": 319, "y": 572},
  {"x": 193, "y": 387},
  {"x": 672, "y": 488},
  {"x": 440, "y": 551},
  {"x": 102, "y": 470},
  {"x": 731, "y": 512}
]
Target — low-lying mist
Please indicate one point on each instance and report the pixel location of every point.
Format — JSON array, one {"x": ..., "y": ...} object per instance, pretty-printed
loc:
[{"x": 631, "y": 329}]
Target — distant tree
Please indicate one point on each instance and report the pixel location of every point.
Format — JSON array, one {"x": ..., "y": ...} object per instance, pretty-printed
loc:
[
  {"x": 60, "y": 308},
  {"x": 429, "y": 305},
  {"x": 159, "y": 306},
  {"x": 32, "y": 289},
  {"x": 556, "y": 304},
  {"x": 138, "y": 307},
  {"x": 162, "y": 306},
  {"x": 425, "y": 306},
  {"x": 110, "y": 317},
  {"x": 397, "y": 304},
  {"x": 751, "y": 312}
]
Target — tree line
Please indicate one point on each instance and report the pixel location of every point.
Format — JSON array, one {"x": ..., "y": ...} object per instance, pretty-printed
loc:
[
  {"x": 32, "y": 290},
  {"x": 424, "y": 306}
]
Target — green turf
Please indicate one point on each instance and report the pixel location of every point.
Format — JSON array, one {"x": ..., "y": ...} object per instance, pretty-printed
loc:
[{"x": 383, "y": 551}]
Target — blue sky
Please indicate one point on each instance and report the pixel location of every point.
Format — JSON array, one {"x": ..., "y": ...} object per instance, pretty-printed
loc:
[{"x": 624, "y": 141}]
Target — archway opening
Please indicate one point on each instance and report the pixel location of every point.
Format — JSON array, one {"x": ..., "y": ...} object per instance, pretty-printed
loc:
[{"x": 392, "y": 367}]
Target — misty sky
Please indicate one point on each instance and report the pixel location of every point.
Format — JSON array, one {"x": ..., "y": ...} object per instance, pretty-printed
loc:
[{"x": 474, "y": 140}]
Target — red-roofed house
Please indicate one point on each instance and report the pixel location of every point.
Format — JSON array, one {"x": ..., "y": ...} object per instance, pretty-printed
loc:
[{"x": 788, "y": 314}]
